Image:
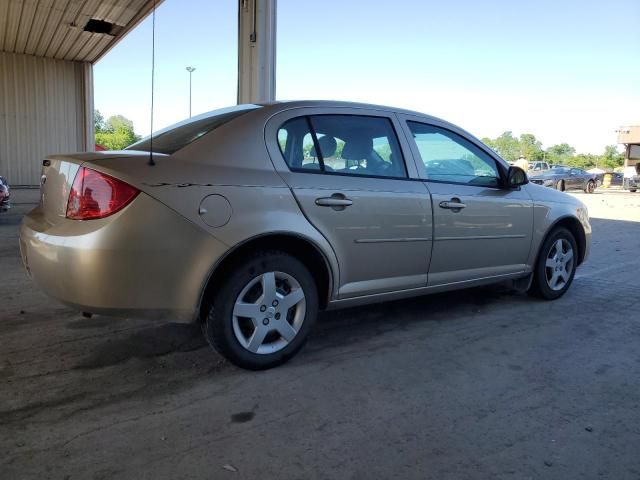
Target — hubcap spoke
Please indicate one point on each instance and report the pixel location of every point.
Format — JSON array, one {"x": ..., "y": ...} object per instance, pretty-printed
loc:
[
  {"x": 559, "y": 249},
  {"x": 292, "y": 299},
  {"x": 551, "y": 263},
  {"x": 568, "y": 256},
  {"x": 269, "y": 286},
  {"x": 287, "y": 331},
  {"x": 257, "y": 338},
  {"x": 248, "y": 310}
]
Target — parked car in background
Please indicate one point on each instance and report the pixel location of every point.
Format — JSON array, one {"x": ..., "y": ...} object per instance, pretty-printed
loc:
[
  {"x": 536, "y": 168},
  {"x": 567, "y": 178},
  {"x": 5, "y": 195},
  {"x": 251, "y": 219}
]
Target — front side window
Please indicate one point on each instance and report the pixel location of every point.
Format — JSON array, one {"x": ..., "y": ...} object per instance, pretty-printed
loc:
[
  {"x": 448, "y": 157},
  {"x": 342, "y": 144}
]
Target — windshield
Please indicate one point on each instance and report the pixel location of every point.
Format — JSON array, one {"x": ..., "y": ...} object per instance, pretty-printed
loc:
[{"x": 178, "y": 136}]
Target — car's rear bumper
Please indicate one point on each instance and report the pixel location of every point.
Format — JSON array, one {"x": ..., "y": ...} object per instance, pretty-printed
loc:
[{"x": 145, "y": 260}]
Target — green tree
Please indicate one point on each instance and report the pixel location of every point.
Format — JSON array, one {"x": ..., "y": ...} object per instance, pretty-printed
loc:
[
  {"x": 560, "y": 154},
  {"x": 531, "y": 147},
  {"x": 611, "y": 157},
  {"x": 582, "y": 160},
  {"x": 507, "y": 146},
  {"x": 98, "y": 121},
  {"x": 510, "y": 147},
  {"x": 116, "y": 133}
]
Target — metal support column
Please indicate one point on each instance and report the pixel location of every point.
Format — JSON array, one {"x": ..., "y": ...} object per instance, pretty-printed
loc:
[
  {"x": 87, "y": 85},
  {"x": 256, "y": 51}
]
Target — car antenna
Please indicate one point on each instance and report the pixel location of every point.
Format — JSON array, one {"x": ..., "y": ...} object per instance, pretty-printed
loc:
[{"x": 153, "y": 71}]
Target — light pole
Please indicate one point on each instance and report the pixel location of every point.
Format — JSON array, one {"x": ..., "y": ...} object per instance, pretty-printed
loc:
[{"x": 190, "y": 70}]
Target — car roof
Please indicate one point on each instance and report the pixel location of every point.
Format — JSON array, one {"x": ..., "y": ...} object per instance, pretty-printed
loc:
[{"x": 287, "y": 104}]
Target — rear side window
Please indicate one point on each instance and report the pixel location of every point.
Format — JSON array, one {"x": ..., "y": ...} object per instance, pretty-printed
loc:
[
  {"x": 448, "y": 157},
  {"x": 178, "y": 136},
  {"x": 342, "y": 144}
]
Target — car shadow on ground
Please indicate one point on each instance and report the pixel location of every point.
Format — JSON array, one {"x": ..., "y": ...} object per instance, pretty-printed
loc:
[
  {"x": 335, "y": 328},
  {"x": 106, "y": 362}
]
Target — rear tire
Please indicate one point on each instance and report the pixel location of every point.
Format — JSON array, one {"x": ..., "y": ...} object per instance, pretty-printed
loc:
[
  {"x": 556, "y": 265},
  {"x": 633, "y": 190},
  {"x": 272, "y": 328}
]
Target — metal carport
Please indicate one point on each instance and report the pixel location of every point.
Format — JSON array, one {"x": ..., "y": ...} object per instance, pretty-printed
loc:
[{"x": 47, "y": 52}]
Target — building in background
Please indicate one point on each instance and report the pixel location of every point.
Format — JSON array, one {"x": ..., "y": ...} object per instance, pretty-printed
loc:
[{"x": 630, "y": 138}]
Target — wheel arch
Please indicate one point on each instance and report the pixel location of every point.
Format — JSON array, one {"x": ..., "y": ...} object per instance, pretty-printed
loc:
[
  {"x": 298, "y": 246},
  {"x": 575, "y": 227}
]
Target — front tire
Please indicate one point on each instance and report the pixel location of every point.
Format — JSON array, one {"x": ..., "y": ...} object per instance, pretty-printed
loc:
[
  {"x": 263, "y": 313},
  {"x": 556, "y": 265},
  {"x": 591, "y": 187},
  {"x": 560, "y": 185}
]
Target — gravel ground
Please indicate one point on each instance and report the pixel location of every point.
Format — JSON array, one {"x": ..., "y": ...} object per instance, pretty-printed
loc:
[{"x": 482, "y": 383}]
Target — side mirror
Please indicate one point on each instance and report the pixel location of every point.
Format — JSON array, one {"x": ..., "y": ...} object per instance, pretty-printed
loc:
[{"x": 516, "y": 177}]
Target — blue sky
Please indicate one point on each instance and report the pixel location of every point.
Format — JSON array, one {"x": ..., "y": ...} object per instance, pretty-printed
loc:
[{"x": 564, "y": 71}]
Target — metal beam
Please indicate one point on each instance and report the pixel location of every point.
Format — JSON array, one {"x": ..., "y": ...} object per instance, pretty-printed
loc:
[
  {"x": 87, "y": 84},
  {"x": 256, "y": 51}
]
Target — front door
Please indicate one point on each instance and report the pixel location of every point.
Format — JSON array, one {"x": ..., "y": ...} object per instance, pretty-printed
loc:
[
  {"x": 480, "y": 228},
  {"x": 350, "y": 179}
]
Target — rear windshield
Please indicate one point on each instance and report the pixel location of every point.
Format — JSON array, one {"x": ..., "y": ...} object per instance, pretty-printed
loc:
[{"x": 178, "y": 136}]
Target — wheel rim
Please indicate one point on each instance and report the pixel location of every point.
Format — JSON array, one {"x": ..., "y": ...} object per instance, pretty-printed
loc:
[
  {"x": 590, "y": 187},
  {"x": 269, "y": 312},
  {"x": 559, "y": 264}
]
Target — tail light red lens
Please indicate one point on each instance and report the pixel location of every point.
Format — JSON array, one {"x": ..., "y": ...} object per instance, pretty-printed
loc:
[{"x": 96, "y": 195}]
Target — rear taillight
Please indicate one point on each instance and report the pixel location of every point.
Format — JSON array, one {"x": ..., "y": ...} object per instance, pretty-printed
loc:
[{"x": 96, "y": 195}]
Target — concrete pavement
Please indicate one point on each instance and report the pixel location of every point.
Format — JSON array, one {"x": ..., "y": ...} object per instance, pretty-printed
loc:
[{"x": 482, "y": 383}]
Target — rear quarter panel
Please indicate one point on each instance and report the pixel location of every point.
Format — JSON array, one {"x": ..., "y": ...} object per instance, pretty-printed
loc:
[{"x": 232, "y": 162}]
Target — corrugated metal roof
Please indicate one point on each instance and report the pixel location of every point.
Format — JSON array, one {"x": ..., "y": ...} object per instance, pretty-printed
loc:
[{"x": 55, "y": 28}]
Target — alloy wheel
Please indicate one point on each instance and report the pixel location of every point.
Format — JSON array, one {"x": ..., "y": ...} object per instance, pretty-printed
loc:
[
  {"x": 559, "y": 264},
  {"x": 268, "y": 312}
]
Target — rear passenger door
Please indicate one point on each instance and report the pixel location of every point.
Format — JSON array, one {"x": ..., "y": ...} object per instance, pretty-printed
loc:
[
  {"x": 347, "y": 170},
  {"x": 480, "y": 228}
]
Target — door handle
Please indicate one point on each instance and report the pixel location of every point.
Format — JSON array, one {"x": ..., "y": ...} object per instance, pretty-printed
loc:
[
  {"x": 454, "y": 204},
  {"x": 337, "y": 201}
]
